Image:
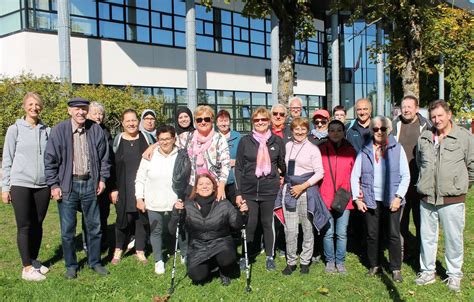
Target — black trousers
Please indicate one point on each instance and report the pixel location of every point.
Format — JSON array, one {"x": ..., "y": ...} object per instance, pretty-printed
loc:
[
  {"x": 30, "y": 206},
  {"x": 381, "y": 221},
  {"x": 412, "y": 199},
  {"x": 262, "y": 210},
  {"x": 225, "y": 260},
  {"x": 136, "y": 224}
]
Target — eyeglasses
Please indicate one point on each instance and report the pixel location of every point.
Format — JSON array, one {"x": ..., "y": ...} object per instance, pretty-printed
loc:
[
  {"x": 295, "y": 108},
  {"x": 206, "y": 119},
  {"x": 263, "y": 119},
  {"x": 162, "y": 140},
  {"x": 376, "y": 129},
  {"x": 281, "y": 114},
  {"x": 318, "y": 122},
  {"x": 149, "y": 118}
]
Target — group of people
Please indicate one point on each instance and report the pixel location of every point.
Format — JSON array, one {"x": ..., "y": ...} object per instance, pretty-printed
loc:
[{"x": 319, "y": 173}]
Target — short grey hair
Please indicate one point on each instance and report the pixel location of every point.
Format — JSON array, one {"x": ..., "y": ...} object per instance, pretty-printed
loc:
[
  {"x": 385, "y": 121},
  {"x": 295, "y": 98},
  {"x": 97, "y": 105},
  {"x": 276, "y": 106}
]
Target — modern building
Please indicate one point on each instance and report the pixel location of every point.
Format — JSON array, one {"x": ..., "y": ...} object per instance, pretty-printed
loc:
[{"x": 142, "y": 43}]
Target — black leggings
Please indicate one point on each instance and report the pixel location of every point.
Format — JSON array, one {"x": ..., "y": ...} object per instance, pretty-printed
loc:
[
  {"x": 30, "y": 207},
  {"x": 264, "y": 211},
  {"x": 225, "y": 260},
  {"x": 135, "y": 225}
]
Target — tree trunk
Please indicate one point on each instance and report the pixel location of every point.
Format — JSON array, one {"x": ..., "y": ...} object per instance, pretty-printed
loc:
[
  {"x": 287, "y": 61},
  {"x": 411, "y": 79},
  {"x": 411, "y": 71}
]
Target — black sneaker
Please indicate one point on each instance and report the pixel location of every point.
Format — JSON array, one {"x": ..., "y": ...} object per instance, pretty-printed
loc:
[
  {"x": 71, "y": 273},
  {"x": 373, "y": 271},
  {"x": 304, "y": 269},
  {"x": 100, "y": 270},
  {"x": 270, "y": 264},
  {"x": 289, "y": 269},
  {"x": 224, "y": 280},
  {"x": 397, "y": 276}
]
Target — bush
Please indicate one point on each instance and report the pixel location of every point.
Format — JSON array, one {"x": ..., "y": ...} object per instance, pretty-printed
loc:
[{"x": 55, "y": 95}]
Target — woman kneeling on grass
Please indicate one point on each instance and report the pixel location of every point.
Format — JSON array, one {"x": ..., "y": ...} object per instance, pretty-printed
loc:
[
  {"x": 153, "y": 190},
  {"x": 208, "y": 223}
]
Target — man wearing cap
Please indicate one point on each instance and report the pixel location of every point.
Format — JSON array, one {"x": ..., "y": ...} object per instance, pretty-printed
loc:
[
  {"x": 358, "y": 132},
  {"x": 76, "y": 168},
  {"x": 320, "y": 132}
]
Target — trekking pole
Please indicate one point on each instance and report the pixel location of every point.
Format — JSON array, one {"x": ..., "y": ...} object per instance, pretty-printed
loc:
[
  {"x": 173, "y": 271},
  {"x": 247, "y": 265}
]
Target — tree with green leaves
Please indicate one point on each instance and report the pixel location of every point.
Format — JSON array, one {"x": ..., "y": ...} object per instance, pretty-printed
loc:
[
  {"x": 295, "y": 22},
  {"x": 418, "y": 33},
  {"x": 115, "y": 100}
]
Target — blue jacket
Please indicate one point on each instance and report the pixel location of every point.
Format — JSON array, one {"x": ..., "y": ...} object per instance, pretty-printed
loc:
[
  {"x": 233, "y": 142},
  {"x": 315, "y": 203},
  {"x": 58, "y": 157},
  {"x": 356, "y": 137},
  {"x": 397, "y": 174}
]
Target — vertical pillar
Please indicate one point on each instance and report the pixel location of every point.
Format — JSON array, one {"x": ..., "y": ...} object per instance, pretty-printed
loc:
[
  {"x": 191, "y": 54},
  {"x": 275, "y": 55},
  {"x": 335, "y": 60},
  {"x": 441, "y": 78},
  {"x": 380, "y": 74},
  {"x": 64, "y": 41}
]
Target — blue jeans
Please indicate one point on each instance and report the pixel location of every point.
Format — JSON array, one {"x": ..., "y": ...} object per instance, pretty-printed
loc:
[
  {"x": 82, "y": 196},
  {"x": 452, "y": 218},
  {"x": 341, "y": 221}
]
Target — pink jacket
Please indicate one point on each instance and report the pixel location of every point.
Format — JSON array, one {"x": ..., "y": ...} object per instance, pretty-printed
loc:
[{"x": 342, "y": 164}]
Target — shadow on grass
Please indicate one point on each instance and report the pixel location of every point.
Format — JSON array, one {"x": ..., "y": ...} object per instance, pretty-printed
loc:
[{"x": 391, "y": 288}]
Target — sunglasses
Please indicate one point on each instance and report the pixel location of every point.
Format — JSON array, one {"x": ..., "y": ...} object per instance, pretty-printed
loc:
[
  {"x": 206, "y": 119},
  {"x": 322, "y": 122},
  {"x": 281, "y": 114},
  {"x": 263, "y": 119},
  {"x": 376, "y": 129}
]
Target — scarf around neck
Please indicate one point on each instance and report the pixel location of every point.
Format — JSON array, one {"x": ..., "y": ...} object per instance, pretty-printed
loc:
[
  {"x": 264, "y": 164},
  {"x": 200, "y": 144}
]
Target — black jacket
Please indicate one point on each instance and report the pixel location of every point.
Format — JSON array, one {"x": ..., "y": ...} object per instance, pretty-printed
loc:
[
  {"x": 246, "y": 182},
  {"x": 210, "y": 235}
]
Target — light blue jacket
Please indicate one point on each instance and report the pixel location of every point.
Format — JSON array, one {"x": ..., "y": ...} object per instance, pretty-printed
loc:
[{"x": 233, "y": 142}]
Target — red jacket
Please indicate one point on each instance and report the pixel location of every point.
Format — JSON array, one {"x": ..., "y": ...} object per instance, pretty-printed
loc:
[{"x": 342, "y": 164}]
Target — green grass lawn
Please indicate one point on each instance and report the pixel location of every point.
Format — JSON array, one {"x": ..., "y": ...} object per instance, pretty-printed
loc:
[{"x": 131, "y": 281}]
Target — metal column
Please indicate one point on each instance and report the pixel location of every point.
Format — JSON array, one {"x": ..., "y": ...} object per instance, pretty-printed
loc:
[
  {"x": 275, "y": 55},
  {"x": 335, "y": 61},
  {"x": 380, "y": 74},
  {"x": 191, "y": 54},
  {"x": 64, "y": 41}
]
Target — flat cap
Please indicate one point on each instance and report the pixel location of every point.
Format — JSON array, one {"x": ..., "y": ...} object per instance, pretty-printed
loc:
[{"x": 77, "y": 102}]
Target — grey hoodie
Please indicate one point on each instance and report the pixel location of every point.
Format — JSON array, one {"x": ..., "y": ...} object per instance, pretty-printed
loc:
[{"x": 23, "y": 152}]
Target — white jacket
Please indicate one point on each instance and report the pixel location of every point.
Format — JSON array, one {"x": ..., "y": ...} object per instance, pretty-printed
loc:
[{"x": 154, "y": 181}]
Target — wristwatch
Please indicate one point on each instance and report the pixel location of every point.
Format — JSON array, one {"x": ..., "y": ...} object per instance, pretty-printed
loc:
[{"x": 399, "y": 197}]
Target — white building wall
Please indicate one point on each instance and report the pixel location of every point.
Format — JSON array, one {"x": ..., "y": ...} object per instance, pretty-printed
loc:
[{"x": 120, "y": 63}]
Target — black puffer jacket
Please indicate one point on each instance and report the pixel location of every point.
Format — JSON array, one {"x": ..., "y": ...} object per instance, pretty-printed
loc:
[
  {"x": 210, "y": 235},
  {"x": 246, "y": 182}
]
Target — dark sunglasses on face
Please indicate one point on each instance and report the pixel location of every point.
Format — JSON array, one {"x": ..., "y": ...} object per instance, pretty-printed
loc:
[
  {"x": 376, "y": 129},
  {"x": 206, "y": 119},
  {"x": 281, "y": 114},
  {"x": 322, "y": 122},
  {"x": 263, "y": 119}
]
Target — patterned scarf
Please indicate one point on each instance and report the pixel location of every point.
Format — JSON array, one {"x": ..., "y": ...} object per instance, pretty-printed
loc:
[
  {"x": 264, "y": 164},
  {"x": 380, "y": 151},
  {"x": 200, "y": 144}
]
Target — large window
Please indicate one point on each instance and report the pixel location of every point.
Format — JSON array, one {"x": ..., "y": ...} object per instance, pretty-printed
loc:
[{"x": 160, "y": 22}]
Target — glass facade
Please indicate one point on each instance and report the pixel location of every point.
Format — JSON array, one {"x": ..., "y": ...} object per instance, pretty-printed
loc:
[
  {"x": 239, "y": 104},
  {"x": 159, "y": 22},
  {"x": 358, "y": 77}
]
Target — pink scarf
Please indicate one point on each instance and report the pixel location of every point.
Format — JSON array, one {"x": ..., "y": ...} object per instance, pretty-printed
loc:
[
  {"x": 264, "y": 164},
  {"x": 200, "y": 145}
]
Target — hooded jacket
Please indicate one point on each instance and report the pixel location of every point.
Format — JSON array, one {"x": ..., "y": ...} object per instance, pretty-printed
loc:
[{"x": 23, "y": 152}]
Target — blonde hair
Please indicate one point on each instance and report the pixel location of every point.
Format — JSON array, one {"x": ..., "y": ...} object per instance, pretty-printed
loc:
[
  {"x": 203, "y": 108},
  {"x": 33, "y": 95},
  {"x": 263, "y": 111},
  {"x": 299, "y": 122}
]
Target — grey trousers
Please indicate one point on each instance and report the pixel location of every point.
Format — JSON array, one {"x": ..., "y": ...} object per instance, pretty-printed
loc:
[
  {"x": 292, "y": 219},
  {"x": 159, "y": 231}
]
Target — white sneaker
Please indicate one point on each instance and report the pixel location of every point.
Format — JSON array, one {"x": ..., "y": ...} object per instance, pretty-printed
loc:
[
  {"x": 453, "y": 283},
  {"x": 32, "y": 275},
  {"x": 160, "y": 267},
  {"x": 425, "y": 278},
  {"x": 39, "y": 266}
]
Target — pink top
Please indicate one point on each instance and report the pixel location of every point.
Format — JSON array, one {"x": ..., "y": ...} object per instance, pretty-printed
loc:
[{"x": 307, "y": 159}]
